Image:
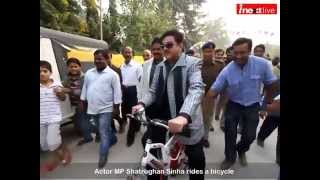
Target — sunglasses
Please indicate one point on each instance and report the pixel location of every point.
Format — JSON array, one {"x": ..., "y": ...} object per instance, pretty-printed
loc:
[{"x": 168, "y": 46}]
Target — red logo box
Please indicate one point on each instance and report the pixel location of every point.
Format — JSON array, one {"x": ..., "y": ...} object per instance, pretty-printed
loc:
[{"x": 256, "y": 9}]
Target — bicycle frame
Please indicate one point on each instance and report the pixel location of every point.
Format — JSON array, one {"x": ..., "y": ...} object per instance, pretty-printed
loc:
[
  {"x": 166, "y": 161},
  {"x": 149, "y": 159}
]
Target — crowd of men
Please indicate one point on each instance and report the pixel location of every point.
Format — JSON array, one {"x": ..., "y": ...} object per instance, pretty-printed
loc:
[{"x": 232, "y": 86}]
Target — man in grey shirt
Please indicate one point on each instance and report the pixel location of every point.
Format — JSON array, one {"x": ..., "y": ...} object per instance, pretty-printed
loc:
[{"x": 177, "y": 90}]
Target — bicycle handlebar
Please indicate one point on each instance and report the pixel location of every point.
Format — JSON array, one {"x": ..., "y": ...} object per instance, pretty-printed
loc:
[{"x": 157, "y": 122}]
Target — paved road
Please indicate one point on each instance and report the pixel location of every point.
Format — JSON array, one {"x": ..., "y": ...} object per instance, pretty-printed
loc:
[{"x": 261, "y": 160}]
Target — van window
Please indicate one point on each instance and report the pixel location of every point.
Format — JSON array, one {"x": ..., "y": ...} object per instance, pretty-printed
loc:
[{"x": 61, "y": 59}]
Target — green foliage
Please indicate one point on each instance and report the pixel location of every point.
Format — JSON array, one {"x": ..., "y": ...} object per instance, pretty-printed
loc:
[
  {"x": 92, "y": 18},
  {"x": 62, "y": 15},
  {"x": 143, "y": 20},
  {"x": 134, "y": 23},
  {"x": 215, "y": 31}
]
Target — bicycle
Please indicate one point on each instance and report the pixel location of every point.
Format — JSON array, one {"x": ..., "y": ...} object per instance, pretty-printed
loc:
[{"x": 166, "y": 157}]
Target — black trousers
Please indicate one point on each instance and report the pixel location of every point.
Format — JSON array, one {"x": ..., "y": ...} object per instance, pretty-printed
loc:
[
  {"x": 195, "y": 153},
  {"x": 250, "y": 119},
  {"x": 156, "y": 134},
  {"x": 268, "y": 126},
  {"x": 119, "y": 119},
  {"x": 129, "y": 99},
  {"x": 196, "y": 160}
]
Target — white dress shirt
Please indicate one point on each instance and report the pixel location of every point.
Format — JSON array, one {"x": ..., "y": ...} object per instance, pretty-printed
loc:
[
  {"x": 101, "y": 90},
  {"x": 144, "y": 82},
  {"x": 131, "y": 73},
  {"x": 145, "y": 79}
]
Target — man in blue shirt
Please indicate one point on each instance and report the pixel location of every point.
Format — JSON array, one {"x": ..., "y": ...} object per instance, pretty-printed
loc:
[{"x": 242, "y": 79}]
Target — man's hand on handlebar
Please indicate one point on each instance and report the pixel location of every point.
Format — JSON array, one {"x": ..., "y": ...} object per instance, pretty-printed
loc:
[
  {"x": 136, "y": 108},
  {"x": 176, "y": 124}
]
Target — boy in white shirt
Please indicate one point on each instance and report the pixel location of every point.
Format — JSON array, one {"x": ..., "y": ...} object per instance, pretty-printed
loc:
[{"x": 50, "y": 117}]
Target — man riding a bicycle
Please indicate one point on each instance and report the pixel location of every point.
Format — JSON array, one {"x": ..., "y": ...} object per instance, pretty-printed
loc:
[{"x": 176, "y": 93}]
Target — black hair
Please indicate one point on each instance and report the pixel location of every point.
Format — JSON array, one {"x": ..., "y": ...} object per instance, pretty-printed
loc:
[
  {"x": 190, "y": 52},
  {"x": 219, "y": 50},
  {"x": 45, "y": 64},
  {"x": 208, "y": 45},
  {"x": 73, "y": 60},
  {"x": 275, "y": 61},
  {"x": 229, "y": 49},
  {"x": 103, "y": 52},
  {"x": 156, "y": 40},
  {"x": 242, "y": 40},
  {"x": 260, "y": 46},
  {"x": 178, "y": 36}
]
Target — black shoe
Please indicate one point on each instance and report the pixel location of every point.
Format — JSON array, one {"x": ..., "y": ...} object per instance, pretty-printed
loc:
[
  {"x": 211, "y": 129},
  {"x": 260, "y": 143},
  {"x": 243, "y": 159},
  {"x": 206, "y": 143},
  {"x": 137, "y": 128},
  {"x": 78, "y": 133},
  {"x": 102, "y": 162},
  {"x": 226, "y": 164},
  {"x": 84, "y": 141},
  {"x": 97, "y": 140},
  {"x": 121, "y": 129},
  {"x": 130, "y": 140},
  {"x": 222, "y": 128},
  {"x": 125, "y": 122}
]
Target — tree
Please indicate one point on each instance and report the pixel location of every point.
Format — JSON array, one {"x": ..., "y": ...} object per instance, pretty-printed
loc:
[
  {"x": 92, "y": 18},
  {"x": 111, "y": 27},
  {"x": 137, "y": 24},
  {"x": 142, "y": 20},
  {"x": 63, "y": 15},
  {"x": 215, "y": 31},
  {"x": 187, "y": 16}
]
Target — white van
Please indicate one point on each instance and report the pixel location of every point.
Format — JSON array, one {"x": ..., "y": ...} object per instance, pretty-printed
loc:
[{"x": 54, "y": 48}]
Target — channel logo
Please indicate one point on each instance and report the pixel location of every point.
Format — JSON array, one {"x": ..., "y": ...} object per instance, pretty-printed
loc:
[{"x": 256, "y": 9}]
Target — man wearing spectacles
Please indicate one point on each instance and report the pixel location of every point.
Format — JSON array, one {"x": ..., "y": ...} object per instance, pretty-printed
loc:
[{"x": 177, "y": 90}]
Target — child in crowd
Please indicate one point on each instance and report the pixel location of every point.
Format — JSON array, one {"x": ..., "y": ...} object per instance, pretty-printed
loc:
[
  {"x": 51, "y": 94},
  {"x": 73, "y": 86}
]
